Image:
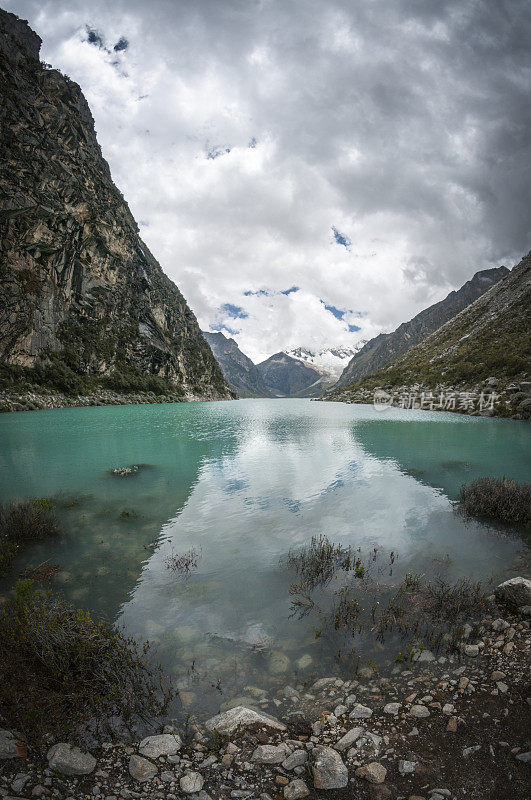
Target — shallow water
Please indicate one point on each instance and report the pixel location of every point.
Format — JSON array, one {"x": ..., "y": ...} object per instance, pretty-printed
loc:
[{"x": 242, "y": 483}]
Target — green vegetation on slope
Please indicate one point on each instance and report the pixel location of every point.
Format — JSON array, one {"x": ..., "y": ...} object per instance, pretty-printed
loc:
[{"x": 489, "y": 338}]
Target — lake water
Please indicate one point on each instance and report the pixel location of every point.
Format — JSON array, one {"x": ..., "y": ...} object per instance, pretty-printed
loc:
[{"x": 241, "y": 483}]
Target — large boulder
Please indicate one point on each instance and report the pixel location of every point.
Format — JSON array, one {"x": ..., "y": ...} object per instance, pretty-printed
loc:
[
  {"x": 228, "y": 721},
  {"x": 68, "y": 760},
  {"x": 329, "y": 771},
  {"x": 165, "y": 744},
  {"x": 514, "y": 592}
]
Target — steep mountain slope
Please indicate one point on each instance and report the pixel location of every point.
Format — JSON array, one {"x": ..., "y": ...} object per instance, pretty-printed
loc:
[
  {"x": 488, "y": 343},
  {"x": 83, "y": 302},
  {"x": 238, "y": 369},
  {"x": 285, "y": 376},
  {"x": 387, "y": 347}
]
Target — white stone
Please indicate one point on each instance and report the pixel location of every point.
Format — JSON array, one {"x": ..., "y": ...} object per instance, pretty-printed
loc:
[
  {"x": 516, "y": 591},
  {"x": 360, "y": 712},
  {"x": 349, "y": 738},
  {"x": 406, "y": 767},
  {"x": 191, "y": 782},
  {"x": 392, "y": 708},
  {"x": 419, "y": 711},
  {"x": 166, "y": 744},
  {"x": 69, "y": 760},
  {"x": 234, "y": 718},
  {"x": 270, "y": 753},
  {"x": 328, "y": 769}
]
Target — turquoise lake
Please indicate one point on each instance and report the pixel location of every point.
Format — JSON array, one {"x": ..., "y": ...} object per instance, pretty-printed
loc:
[{"x": 241, "y": 483}]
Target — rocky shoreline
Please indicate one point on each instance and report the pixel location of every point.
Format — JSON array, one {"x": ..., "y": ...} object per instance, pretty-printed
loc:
[
  {"x": 35, "y": 401},
  {"x": 489, "y": 399},
  {"x": 442, "y": 727}
]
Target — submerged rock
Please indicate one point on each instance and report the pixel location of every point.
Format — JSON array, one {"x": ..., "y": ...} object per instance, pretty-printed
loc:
[{"x": 69, "y": 760}]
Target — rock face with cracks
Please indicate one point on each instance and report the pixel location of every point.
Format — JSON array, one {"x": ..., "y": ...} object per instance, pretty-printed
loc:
[{"x": 78, "y": 285}]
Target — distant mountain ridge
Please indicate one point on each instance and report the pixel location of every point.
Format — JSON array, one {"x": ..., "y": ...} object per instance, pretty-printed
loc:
[
  {"x": 486, "y": 344},
  {"x": 286, "y": 376},
  {"x": 239, "y": 371},
  {"x": 385, "y": 348}
]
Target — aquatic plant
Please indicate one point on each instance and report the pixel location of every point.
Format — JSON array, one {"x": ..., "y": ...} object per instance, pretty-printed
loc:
[
  {"x": 183, "y": 563},
  {"x": 23, "y": 522},
  {"x": 62, "y": 672},
  {"x": 420, "y": 612},
  {"x": 497, "y": 498}
]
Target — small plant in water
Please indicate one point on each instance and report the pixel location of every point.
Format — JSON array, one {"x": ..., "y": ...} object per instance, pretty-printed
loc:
[{"x": 183, "y": 563}]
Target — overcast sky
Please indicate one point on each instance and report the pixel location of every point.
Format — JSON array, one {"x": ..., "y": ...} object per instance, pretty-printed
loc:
[{"x": 303, "y": 168}]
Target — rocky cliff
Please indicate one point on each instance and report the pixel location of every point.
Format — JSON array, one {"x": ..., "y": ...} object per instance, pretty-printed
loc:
[
  {"x": 239, "y": 371},
  {"x": 387, "y": 347},
  {"x": 82, "y": 300}
]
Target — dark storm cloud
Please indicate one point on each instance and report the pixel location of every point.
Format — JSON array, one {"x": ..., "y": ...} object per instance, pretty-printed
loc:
[{"x": 405, "y": 122}]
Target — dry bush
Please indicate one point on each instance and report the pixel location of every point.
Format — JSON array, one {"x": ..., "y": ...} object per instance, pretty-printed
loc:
[
  {"x": 497, "y": 498},
  {"x": 24, "y": 522},
  {"x": 61, "y": 671}
]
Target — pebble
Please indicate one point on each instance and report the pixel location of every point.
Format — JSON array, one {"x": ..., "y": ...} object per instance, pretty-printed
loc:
[
  {"x": 392, "y": 708},
  {"x": 349, "y": 738},
  {"x": 360, "y": 712},
  {"x": 141, "y": 769},
  {"x": 295, "y": 790},
  {"x": 373, "y": 772},
  {"x": 191, "y": 782},
  {"x": 406, "y": 767},
  {"x": 328, "y": 769},
  {"x": 419, "y": 711}
]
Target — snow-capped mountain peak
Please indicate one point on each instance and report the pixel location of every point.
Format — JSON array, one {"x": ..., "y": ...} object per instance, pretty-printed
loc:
[{"x": 330, "y": 361}]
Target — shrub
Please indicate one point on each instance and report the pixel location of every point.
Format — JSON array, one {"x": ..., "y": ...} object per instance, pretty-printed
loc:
[
  {"x": 61, "y": 671},
  {"x": 23, "y": 522},
  {"x": 497, "y": 498}
]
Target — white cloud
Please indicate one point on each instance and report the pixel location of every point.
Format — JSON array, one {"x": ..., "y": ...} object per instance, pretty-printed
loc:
[{"x": 403, "y": 125}]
